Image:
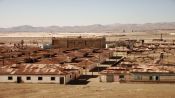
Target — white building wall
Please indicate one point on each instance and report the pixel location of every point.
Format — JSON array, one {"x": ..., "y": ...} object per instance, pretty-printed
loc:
[
  {"x": 4, "y": 78},
  {"x": 102, "y": 78},
  {"x": 67, "y": 79},
  {"x": 34, "y": 78},
  {"x": 73, "y": 76},
  {"x": 45, "y": 78},
  {"x": 167, "y": 78}
]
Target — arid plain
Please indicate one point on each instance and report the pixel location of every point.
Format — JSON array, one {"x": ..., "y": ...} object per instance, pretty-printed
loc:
[{"x": 94, "y": 88}]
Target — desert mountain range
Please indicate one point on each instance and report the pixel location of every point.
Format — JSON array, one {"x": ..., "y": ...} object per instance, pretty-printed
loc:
[{"x": 95, "y": 28}]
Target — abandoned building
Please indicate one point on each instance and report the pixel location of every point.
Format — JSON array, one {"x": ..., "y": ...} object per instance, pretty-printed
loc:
[
  {"x": 152, "y": 73},
  {"x": 114, "y": 74},
  {"x": 39, "y": 73},
  {"x": 146, "y": 74},
  {"x": 68, "y": 58},
  {"x": 79, "y": 42},
  {"x": 123, "y": 53}
]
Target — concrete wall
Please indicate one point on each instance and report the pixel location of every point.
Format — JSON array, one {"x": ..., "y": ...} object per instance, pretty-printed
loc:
[
  {"x": 167, "y": 78},
  {"x": 34, "y": 78},
  {"x": 103, "y": 78},
  {"x": 74, "y": 74},
  {"x": 146, "y": 77},
  {"x": 116, "y": 78}
]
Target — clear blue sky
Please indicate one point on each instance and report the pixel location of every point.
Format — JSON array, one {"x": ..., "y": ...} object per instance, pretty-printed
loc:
[{"x": 84, "y": 12}]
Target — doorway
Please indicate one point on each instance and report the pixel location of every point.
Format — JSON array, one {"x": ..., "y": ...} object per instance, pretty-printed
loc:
[
  {"x": 110, "y": 78},
  {"x": 19, "y": 80},
  {"x": 156, "y": 77},
  {"x": 61, "y": 80}
]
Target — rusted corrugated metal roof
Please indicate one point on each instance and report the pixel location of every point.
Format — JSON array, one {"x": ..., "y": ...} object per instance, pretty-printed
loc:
[
  {"x": 140, "y": 69},
  {"x": 36, "y": 69}
]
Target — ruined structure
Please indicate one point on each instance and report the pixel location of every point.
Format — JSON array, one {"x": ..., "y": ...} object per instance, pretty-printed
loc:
[{"x": 78, "y": 42}]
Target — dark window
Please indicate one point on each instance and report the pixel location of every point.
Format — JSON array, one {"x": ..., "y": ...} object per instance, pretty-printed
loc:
[
  {"x": 154, "y": 78},
  {"x": 150, "y": 78},
  {"x": 52, "y": 78},
  {"x": 121, "y": 76},
  {"x": 28, "y": 78},
  {"x": 157, "y": 77},
  {"x": 10, "y": 78},
  {"x": 138, "y": 77},
  {"x": 40, "y": 78}
]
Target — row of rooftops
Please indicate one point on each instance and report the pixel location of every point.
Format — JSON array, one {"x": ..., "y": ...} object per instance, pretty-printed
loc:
[
  {"x": 35, "y": 61},
  {"x": 79, "y": 37},
  {"x": 57, "y": 54},
  {"x": 38, "y": 69},
  {"x": 139, "y": 69},
  {"x": 54, "y": 59}
]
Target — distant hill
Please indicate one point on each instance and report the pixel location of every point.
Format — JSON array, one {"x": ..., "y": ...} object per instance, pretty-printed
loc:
[{"x": 95, "y": 28}]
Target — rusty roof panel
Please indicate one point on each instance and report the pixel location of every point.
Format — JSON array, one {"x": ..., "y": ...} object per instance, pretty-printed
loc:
[{"x": 36, "y": 69}]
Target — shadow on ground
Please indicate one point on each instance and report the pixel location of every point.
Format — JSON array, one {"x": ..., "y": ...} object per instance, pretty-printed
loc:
[
  {"x": 98, "y": 69},
  {"x": 82, "y": 80}
]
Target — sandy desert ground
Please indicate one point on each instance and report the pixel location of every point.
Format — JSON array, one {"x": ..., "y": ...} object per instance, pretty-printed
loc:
[
  {"x": 45, "y": 37},
  {"x": 94, "y": 89},
  {"x": 91, "y": 90}
]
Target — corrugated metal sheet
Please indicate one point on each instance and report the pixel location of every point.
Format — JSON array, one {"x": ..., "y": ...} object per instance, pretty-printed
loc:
[{"x": 32, "y": 69}]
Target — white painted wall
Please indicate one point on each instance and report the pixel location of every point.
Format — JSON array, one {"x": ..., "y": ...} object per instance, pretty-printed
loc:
[
  {"x": 103, "y": 78},
  {"x": 34, "y": 78},
  {"x": 46, "y": 78}
]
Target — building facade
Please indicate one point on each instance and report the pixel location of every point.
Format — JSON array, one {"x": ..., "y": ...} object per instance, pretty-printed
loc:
[
  {"x": 79, "y": 42},
  {"x": 39, "y": 73},
  {"x": 120, "y": 74}
]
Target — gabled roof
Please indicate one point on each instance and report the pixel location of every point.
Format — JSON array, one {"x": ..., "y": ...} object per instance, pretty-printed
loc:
[{"x": 36, "y": 69}]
